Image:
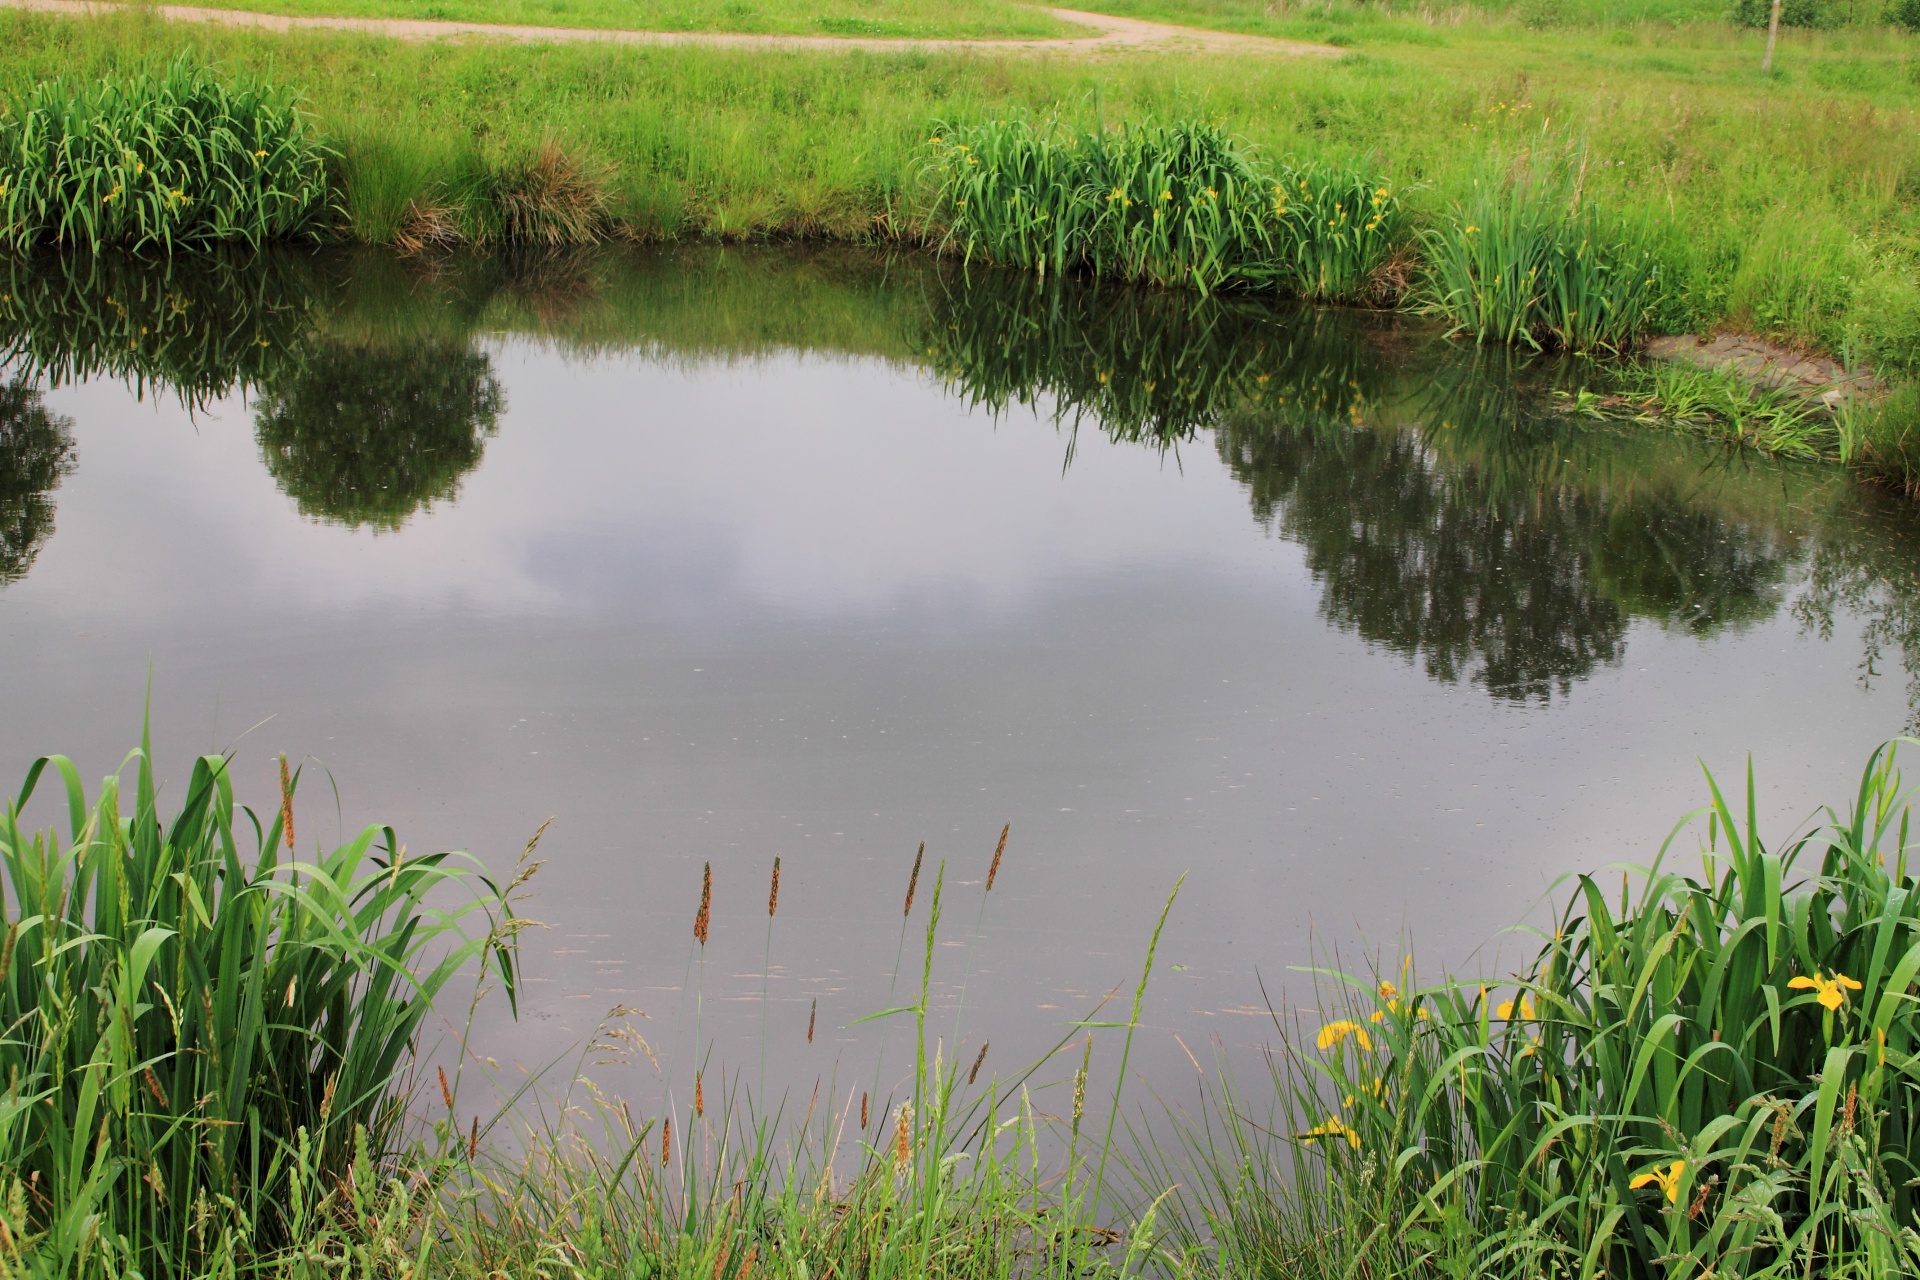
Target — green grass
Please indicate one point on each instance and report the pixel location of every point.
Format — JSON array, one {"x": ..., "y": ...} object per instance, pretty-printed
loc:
[
  {"x": 1174, "y": 204},
  {"x": 1733, "y": 172},
  {"x": 155, "y": 161},
  {"x": 1704, "y": 1071},
  {"x": 191, "y": 1033}
]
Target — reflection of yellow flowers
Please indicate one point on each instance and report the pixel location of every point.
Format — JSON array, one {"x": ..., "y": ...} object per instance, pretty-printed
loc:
[
  {"x": 1668, "y": 1180},
  {"x": 1526, "y": 1008},
  {"x": 1831, "y": 996},
  {"x": 1334, "y": 1032},
  {"x": 1331, "y": 1129}
]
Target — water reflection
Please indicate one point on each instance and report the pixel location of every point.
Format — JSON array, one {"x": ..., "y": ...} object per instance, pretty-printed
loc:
[
  {"x": 367, "y": 435},
  {"x": 1445, "y": 511},
  {"x": 36, "y": 451}
]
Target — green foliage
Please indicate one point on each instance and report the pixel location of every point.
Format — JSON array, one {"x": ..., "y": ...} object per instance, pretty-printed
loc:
[
  {"x": 1904, "y": 14},
  {"x": 174, "y": 159},
  {"x": 368, "y": 435},
  {"x": 1711, "y": 1073},
  {"x": 185, "y": 1030},
  {"x": 36, "y": 452},
  {"x": 1793, "y": 13},
  {"x": 1176, "y": 204},
  {"x": 1526, "y": 259}
]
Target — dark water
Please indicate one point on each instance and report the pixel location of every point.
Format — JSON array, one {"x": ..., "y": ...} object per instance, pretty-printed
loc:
[{"x": 716, "y": 556}]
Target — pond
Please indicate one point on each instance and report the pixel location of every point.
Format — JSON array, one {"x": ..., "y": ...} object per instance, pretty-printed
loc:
[{"x": 721, "y": 555}]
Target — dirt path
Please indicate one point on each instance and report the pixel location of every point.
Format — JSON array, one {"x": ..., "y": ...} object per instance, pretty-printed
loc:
[{"x": 1111, "y": 34}]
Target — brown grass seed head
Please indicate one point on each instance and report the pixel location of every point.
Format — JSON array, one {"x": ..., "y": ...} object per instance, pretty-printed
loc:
[
  {"x": 666, "y": 1141},
  {"x": 903, "y": 1135},
  {"x": 446, "y": 1094},
  {"x": 812, "y": 1013},
  {"x": 473, "y": 1141},
  {"x": 978, "y": 1058},
  {"x": 286, "y": 802},
  {"x": 773, "y": 894},
  {"x": 699, "y": 1095},
  {"x": 702, "y": 916},
  {"x": 913, "y": 881},
  {"x": 998, "y": 850},
  {"x": 863, "y": 1111}
]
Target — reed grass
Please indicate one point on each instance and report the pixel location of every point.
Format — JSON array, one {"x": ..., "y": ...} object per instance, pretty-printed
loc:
[
  {"x": 1702, "y": 1072},
  {"x": 178, "y": 158},
  {"x": 191, "y": 1033},
  {"x": 1165, "y": 204},
  {"x": 1525, "y": 259}
]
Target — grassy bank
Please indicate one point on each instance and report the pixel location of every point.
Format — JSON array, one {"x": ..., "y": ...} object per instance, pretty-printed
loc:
[
  {"x": 1783, "y": 204},
  {"x": 1650, "y": 172},
  {"x": 1705, "y": 1071}
]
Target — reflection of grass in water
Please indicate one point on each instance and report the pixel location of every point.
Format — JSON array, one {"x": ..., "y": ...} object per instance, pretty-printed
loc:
[
  {"x": 1144, "y": 365},
  {"x": 196, "y": 326}
]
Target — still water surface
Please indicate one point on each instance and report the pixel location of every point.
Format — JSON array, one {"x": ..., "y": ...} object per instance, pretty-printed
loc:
[{"x": 718, "y": 556}]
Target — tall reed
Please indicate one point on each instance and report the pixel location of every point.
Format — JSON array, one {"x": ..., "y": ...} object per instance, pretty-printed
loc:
[
  {"x": 184, "y": 1027},
  {"x": 1527, "y": 259},
  {"x": 1701, "y": 1073},
  {"x": 1169, "y": 204}
]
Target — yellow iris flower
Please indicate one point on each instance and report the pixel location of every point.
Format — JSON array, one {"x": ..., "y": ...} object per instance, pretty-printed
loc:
[
  {"x": 1331, "y": 1129},
  {"x": 1668, "y": 1180},
  {"x": 1334, "y": 1032},
  {"x": 1832, "y": 991}
]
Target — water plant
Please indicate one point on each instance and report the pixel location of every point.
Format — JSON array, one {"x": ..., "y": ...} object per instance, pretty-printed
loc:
[
  {"x": 1709, "y": 1073},
  {"x": 177, "y": 158},
  {"x": 188, "y": 1032},
  {"x": 1167, "y": 204},
  {"x": 1527, "y": 259}
]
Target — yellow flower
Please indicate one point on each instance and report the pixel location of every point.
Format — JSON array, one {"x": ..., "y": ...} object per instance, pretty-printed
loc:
[
  {"x": 1388, "y": 991},
  {"x": 259, "y": 155},
  {"x": 1117, "y": 194},
  {"x": 1526, "y": 1008},
  {"x": 1166, "y": 195},
  {"x": 138, "y": 168},
  {"x": 1212, "y": 194},
  {"x": 1471, "y": 228},
  {"x": 1831, "y": 996},
  {"x": 1334, "y": 1032},
  {"x": 1331, "y": 1129},
  {"x": 1668, "y": 1179}
]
